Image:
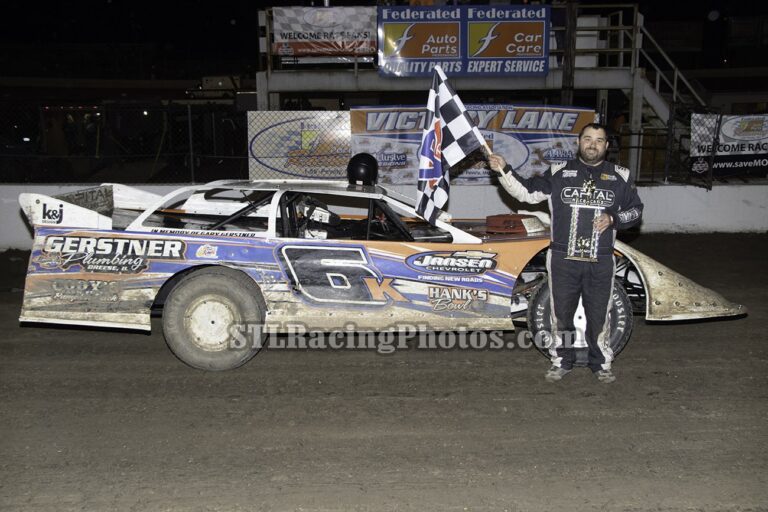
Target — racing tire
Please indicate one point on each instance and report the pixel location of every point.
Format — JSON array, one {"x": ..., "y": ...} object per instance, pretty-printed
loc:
[
  {"x": 540, "y": 324},
  {"x": 213, "y": 319}
]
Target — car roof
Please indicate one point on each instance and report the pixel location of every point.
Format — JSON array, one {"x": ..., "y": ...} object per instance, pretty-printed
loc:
[{"x": 311, "y": 185}]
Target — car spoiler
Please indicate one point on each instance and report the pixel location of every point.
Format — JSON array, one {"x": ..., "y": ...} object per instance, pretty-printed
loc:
[{"x": 87, "y": 208}]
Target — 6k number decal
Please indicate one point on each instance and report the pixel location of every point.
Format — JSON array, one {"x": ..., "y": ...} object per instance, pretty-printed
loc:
[{"x": 341, "y": 275}]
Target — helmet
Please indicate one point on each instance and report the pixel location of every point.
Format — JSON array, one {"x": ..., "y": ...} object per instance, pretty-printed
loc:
[{"x": 364, "y": 168}]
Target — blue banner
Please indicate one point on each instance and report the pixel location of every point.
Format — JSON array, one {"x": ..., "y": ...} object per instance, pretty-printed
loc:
[{"x": 464, "y": 41}]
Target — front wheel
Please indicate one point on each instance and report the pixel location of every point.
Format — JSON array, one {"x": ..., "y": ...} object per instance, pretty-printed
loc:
[
  {"x": 620, "y": 320},
  {"x": 213, "y": 319}
]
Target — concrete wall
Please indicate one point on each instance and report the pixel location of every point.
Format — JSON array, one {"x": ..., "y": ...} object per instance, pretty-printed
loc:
[{"x": 668, "y": 208}]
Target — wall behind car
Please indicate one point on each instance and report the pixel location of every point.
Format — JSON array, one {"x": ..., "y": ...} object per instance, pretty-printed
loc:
[{"x": 668, "y": 208}]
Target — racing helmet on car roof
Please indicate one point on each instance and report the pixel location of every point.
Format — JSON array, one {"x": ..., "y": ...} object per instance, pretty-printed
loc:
[{"x": 363, "y": 168}]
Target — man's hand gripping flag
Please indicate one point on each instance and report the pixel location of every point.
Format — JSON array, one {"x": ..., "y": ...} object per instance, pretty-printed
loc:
[{"x": 449, "y": 137}]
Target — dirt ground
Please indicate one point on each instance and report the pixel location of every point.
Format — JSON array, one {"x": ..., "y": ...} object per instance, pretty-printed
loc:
[{"x": 100, "y": 420}]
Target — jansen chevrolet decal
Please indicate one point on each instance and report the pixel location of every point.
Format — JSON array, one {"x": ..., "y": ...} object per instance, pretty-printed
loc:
[{"x": 458, "y": 262}]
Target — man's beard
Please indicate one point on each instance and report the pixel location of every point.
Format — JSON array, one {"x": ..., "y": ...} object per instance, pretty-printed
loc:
[{"x": 598, "y": 156}]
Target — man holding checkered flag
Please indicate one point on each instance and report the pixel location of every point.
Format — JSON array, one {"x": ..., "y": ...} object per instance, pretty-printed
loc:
[{"x": 449, "y": 137}]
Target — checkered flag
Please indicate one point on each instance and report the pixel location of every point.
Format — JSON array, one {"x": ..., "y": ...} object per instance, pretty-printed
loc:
[{"x": 449, "y": 137}]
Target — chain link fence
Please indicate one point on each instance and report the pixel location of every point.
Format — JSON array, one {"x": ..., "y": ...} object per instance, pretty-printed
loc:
[
  {"x": 299, "y": 144},
  {"x": 186, "y": 143},
  {"x": 122, "y": 143},
  {"x": 691, "y": 146},
  {"x": 671, "y": 152}
]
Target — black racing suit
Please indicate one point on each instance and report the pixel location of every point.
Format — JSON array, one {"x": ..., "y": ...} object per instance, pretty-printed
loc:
[{"x": 580, "y": 262}]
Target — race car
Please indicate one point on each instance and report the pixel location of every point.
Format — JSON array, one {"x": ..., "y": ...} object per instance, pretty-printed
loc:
[{"x": 328, "y": 255}]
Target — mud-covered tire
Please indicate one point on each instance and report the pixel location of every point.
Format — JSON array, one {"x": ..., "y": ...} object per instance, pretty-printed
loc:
[
  {"x": 199, "y": 315},
  {"x": 539, "y": 320}
]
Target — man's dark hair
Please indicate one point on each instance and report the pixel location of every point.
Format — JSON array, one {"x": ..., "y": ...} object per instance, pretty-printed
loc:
[{"x": 594, "y": 126}]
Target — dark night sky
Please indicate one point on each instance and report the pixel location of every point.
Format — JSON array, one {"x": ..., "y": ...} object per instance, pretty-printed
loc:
[
  {"x": 225, "y": 22},
  {"x": 201, "y": 37}
]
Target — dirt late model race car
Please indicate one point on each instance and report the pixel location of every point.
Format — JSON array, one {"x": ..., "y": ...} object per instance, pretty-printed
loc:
[{"x": 322, "y": 254}]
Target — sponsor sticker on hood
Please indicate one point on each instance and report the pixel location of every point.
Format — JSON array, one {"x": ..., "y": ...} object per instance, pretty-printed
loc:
[{"x": 457, "y": 262}]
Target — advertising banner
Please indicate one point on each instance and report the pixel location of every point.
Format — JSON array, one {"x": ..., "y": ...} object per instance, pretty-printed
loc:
[
  {"x": 528, "y": 137},
  {"x": 742, "y": 147},
  {"x": 318, "y": 31},
  {"x": 465, "y": 40},
  {"x": 298, "y": 144}
]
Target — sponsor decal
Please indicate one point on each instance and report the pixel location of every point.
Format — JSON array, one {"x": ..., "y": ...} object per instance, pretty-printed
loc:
[
  {"x": 588, "y": 195},
  {"x": 459, "y": 262},
  {"x": 570, "y": 174},
  {"x": 207, "y": 251},
  {"x": 421, "y": 40},
  {"x": 445, "y": 298},
  {"x": 505, "y": 39},
  {"x": 700, "y": 166},
  {"x": 111, "y": 255},
  {"x": 392, "y": 159},
  {"x": 558, "y": 154},
  {"x": 466, "y": 40},
  {"x": 608, "y": 177},
  {"x": 748, "y": 128},
  {"x": 298, "y": 144},
  {"x": 98, "y": 199},
  {"x": 82, "y": 289},
  {"x": 629, "y": 215},
  {"x": 53, "y": 215}
]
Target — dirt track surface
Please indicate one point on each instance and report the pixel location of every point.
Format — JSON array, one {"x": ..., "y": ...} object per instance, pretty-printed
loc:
[{"x": 97, "y": 420}]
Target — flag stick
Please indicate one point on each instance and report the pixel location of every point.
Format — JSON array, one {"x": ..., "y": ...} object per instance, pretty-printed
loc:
[{"x": 487, "y": 154}]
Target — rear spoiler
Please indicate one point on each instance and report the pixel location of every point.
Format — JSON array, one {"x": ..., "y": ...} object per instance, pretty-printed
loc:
[{"x": 88, "y": 208}]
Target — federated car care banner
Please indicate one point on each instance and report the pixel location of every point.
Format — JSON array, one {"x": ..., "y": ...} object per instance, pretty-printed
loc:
[
  {"x": 742, "y": 147},
  {"x": 314, "y": 31},
  {"x": 298, "y": 144},
  {"x": 465, "y": 41},
  {"x": 529, "y": 138}
]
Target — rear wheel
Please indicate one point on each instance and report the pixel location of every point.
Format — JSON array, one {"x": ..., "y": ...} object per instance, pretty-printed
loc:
[
  {"x": 213, "y": 319},
  {"x": 620, "y": 318}
]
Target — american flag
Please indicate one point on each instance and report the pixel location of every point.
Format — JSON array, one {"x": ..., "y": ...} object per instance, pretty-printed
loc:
[{"x": 449, "y": 137}]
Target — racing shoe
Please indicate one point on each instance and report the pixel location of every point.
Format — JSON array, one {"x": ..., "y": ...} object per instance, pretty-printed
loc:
[
  {"x": 555, "y": 374},
  {"x": 605, "y": 376}
]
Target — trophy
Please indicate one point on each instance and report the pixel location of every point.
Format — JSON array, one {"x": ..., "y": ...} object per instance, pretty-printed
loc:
[{"x": 583, "y": 235}]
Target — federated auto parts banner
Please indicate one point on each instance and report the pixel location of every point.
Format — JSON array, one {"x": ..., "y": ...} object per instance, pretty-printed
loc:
[
  {"x": 742, "y": 148},
  {"x": 298, "y": 144},
  {"x": 465, "y": 40},
  {"x": 313, "y": 31},
  {"x": 529, "y": 138}
]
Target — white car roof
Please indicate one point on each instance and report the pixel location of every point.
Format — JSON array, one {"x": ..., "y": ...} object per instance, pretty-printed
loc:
[{"x": 314, "y": 186}]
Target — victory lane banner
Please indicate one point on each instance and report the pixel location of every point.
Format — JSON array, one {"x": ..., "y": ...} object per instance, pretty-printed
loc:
[
  {"x": 464, "y": 41},
  {"x": 529, "y": 138}
]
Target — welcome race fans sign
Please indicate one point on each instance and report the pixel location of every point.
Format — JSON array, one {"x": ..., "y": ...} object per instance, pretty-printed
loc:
[
  {"x": 465, "y": 41},
  {"x": 742, "y": 144},
  {"x": 311, "y": 31}
]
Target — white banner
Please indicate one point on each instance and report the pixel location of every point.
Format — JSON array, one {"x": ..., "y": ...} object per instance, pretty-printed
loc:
[
  {"x": 298, "y": 144},
  {"x": 304, "y": 31},
  {"x": 739, "y": 135}
]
